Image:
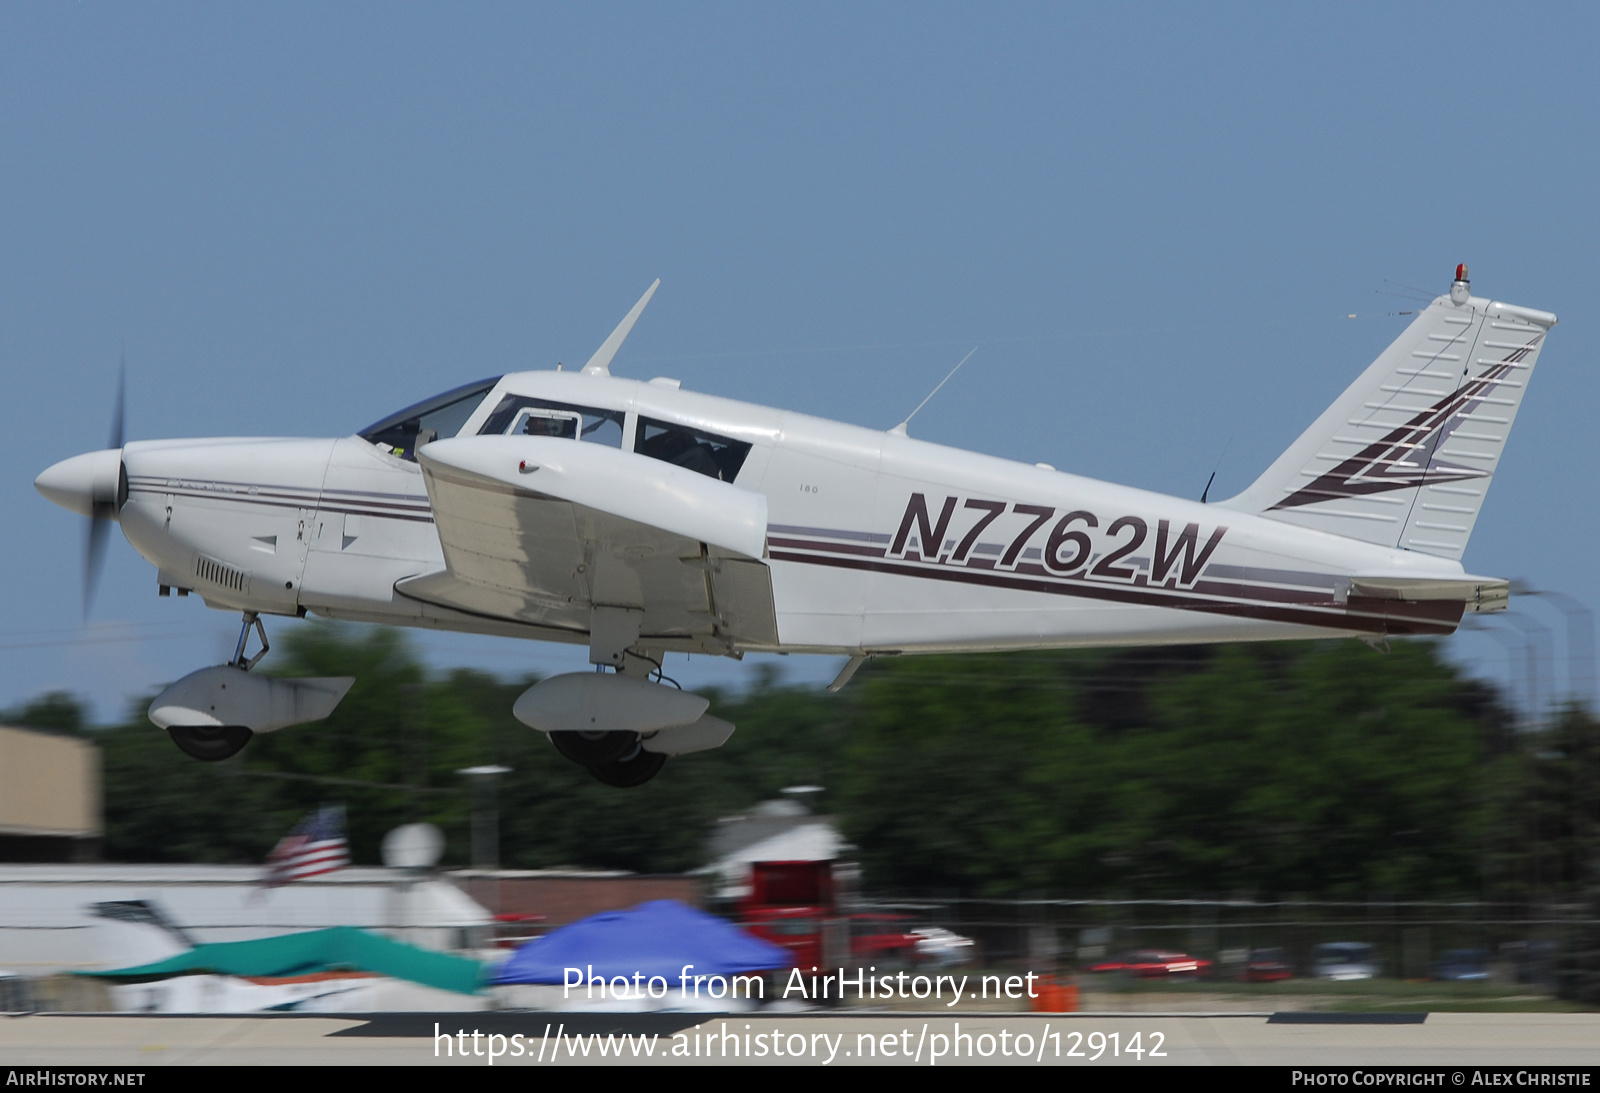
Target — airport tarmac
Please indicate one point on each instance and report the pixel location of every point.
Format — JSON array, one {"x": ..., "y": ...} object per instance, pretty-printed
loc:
[{"x": 1446, "y": 1040}]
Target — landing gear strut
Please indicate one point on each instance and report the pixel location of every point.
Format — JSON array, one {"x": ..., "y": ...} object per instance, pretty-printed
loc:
[{"x": 239, "y": 661}]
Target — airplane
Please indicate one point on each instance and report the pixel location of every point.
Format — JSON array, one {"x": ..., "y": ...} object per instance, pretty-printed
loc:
[{"x": 641, "y": 520}]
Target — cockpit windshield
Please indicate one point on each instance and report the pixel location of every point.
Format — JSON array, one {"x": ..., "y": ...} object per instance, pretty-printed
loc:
[{"x": 443, "y": 415}]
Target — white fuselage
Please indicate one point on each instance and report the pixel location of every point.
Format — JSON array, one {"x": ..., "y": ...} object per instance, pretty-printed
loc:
[{"x": 876, "y": 542}]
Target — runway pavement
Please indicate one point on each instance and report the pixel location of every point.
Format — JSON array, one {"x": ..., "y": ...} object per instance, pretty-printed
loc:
[{"x": 501, "y": 1039}]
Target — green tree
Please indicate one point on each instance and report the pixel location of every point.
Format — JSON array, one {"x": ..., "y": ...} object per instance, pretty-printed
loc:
[
  {"x": 1312, "y": 767},
  {"x": 1316, "y": 768},
  {"x": 57, "y": 710}
]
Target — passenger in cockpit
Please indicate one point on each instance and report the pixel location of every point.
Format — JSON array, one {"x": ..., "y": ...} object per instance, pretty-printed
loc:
[{"x": 564, "y": 427}]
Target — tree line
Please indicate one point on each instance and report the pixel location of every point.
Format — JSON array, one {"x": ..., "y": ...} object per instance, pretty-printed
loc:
[{"x": 1315, "y": 770}]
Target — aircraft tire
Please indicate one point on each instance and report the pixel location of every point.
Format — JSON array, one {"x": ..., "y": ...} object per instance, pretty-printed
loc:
[
  {"x": 589, "y": 748},
  {"x": 633, "y": 769},
  {"x": 210, "y": 743}
]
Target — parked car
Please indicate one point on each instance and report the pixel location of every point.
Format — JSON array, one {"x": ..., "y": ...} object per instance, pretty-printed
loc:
[
  {"x": 1462, "y": 966},
  {"x": 882, "y": 941},
  {"x": 941, "y": 948},
  {"x": 1532, "y": 962},
  {"x": 1341, "y": 960},
  {"x": 1155, "y": 964},
  {"x": 1265, "y": 966}
]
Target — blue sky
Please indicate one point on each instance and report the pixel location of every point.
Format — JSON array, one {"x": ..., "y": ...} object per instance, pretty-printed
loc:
[{"x": 1151, "y": 219}]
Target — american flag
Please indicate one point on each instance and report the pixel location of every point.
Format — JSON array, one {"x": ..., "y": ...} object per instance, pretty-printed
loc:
[{"x": 316, "y": 845}]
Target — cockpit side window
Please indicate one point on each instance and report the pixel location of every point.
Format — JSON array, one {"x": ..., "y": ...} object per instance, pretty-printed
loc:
[
  {"x": 705, "y": 453},
  {"x": 443, "y": 415},
  {"x": 522, "y": 415}
]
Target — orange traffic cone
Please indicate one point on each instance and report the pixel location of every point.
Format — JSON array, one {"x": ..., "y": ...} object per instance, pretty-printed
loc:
[{"x": 1053, "y": 997}]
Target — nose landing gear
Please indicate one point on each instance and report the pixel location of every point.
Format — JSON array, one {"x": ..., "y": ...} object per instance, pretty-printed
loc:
[
  {"x": 214, "y": 743},
  {"x": 212, "y": 714}
]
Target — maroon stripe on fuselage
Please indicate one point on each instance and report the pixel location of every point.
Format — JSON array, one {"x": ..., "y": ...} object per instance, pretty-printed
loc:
[
  {"x": 420, "y": 516},
  {"x": 836, "y": 548},
  {"x": 1375, "y": 616}
]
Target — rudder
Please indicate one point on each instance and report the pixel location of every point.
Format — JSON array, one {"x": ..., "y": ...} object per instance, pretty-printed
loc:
[{"x": 1405, "y": 456}]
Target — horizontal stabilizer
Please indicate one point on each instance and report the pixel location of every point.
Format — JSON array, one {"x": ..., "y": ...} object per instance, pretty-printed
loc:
[{"x": 1478, "y": 593}]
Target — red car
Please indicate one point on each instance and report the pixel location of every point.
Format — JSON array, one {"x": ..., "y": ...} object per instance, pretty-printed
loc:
[
  {"x": 882, "y": 941},
  {"x": 1155, "y": 964},
  {"x": 1266, "y": 966},
  {"x": 875, "y": 940}
]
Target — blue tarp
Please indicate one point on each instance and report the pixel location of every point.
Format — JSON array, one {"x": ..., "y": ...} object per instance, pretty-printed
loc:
[{"x": 656, "y": 938}]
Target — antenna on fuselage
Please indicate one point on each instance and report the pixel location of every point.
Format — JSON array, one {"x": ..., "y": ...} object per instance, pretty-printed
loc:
[
  {"x": 1207, "y": 491},
  {"x": 600, "y": 363},
  {"x": 900, "y": 429}
]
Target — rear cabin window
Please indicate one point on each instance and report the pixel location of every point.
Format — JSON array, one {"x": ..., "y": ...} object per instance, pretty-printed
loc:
[
  {"x": 521, "y": 415},
  {"x": 705, "y": 453}
]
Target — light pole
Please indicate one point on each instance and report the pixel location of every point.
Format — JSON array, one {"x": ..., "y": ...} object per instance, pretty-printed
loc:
[
  {"x": 1580, "y": 642},
  {"x": 1537, "y": 634},
  {"x": 485, "y": 814},
  {"x": 1511, "y": 645}
]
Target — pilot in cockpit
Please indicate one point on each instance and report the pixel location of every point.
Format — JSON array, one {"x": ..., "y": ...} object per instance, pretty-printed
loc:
[{"x": 535, "y": 425}]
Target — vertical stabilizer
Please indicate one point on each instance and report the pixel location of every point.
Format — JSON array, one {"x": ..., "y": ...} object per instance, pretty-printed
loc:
[{"x": 1405, "y": 456}]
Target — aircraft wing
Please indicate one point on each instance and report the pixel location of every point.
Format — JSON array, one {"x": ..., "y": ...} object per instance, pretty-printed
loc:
[{"x": 543, "y": 530}]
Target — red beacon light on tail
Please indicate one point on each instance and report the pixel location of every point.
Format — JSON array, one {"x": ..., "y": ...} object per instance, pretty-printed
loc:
[{"x": 1461, "y": 272}]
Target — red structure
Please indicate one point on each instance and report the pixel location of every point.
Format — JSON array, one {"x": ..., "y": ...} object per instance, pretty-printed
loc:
[{"x": 794, "y": 904}]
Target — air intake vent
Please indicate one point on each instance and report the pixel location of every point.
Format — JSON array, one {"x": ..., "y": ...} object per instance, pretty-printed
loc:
[{"x": 217, "y": 573}]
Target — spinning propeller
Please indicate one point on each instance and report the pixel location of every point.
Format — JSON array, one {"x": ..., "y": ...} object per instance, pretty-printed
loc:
[
  {"x": 104, "y": 509},
  {"x": 94, "y": 484}
]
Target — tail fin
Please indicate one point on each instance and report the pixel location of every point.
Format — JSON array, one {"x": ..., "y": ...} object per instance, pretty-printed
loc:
[{"x": 1405, "y": 456}]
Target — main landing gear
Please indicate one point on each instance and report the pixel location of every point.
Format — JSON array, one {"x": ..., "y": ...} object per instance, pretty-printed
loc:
[
  {"x": 611, "y": 723},
  {"x": 615, "y": 758},
  {"x": 621, "y": 726}
]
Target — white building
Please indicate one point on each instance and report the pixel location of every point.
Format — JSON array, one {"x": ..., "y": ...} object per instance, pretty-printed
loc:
[
  {"x": 49, "y": 922},
  {"x": 780, "y": 830}
]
